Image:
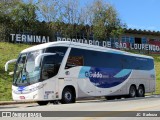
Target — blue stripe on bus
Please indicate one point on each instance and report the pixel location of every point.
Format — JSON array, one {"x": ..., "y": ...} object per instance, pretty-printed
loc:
[
  {"x": 104, "y": 77},
  {"x": 115, "y": 52},
  {"x": 123, "y": 73}
]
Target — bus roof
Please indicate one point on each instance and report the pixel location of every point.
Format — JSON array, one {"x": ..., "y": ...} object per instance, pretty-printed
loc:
[{"x": 81, "y": 46}]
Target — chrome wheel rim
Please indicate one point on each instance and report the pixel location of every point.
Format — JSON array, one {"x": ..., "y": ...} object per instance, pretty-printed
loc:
[
  {"x": 140, "y": 91},
  {"x": 68, "y": 96},
  {"x": 133, "y": 93}
]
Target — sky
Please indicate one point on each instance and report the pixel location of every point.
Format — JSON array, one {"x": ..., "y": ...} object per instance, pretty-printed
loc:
[{"x": 137, "y": 14}]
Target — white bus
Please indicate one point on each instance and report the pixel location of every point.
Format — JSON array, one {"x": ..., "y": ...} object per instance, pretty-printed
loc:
[{"x": 65, "y": 71}]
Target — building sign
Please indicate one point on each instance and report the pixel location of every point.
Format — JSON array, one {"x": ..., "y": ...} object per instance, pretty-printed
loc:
[
  {"x": 29, "y": 38},
  {"x": 117, "y": 45}
]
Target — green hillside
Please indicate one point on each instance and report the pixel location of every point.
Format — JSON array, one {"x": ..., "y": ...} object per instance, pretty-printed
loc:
[{"x": 10, "y": 51}]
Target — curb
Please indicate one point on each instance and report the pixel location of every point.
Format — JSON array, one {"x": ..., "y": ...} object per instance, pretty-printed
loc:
[
  {"x": 27, "y": 102},
  {"x": 15, "y": 102}
]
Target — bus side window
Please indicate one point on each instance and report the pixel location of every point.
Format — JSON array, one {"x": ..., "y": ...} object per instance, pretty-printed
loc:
[
  {"x": 125, "y": 63},
  {"x": 74, "y": 61},
  {"x": 75, "y": 58},
  {"x": 50, "y": 66}
]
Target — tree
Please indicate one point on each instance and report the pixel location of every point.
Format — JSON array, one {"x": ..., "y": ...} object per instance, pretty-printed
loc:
[
  {"x": 24, "y": 17},
  {"x": 49, "y": 10},
  {"x": 69, "y": 16},
  {"x": 105, "y": 21},
  {"x": 5, "y": 20},
  {"x": 64, "y": 16},
  {"x": 18, "y": 16}
]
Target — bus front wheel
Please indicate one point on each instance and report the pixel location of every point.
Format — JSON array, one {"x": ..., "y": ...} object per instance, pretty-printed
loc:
[
  {"x": 67, "y": 96},
  {"x": 42, "y": 103}
]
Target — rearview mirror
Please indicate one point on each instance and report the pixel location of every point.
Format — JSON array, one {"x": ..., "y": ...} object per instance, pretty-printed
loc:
[
  {"x": 38, "y": 58},
  {"x": 9, "y": 62}
]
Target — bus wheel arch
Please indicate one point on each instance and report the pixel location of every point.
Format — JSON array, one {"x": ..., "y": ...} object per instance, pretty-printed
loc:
[
  {"x": 141, "y": 91},
  {"x": 68, "y": 95},
  {"x": 132, "y": 91}
]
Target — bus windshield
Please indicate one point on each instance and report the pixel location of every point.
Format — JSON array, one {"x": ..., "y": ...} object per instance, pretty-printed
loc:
[{"x": 25, "y": 72}]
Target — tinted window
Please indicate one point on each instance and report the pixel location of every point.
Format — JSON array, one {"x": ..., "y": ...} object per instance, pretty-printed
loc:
[
  {"x": 138, "y": 63},
  {"x": 50, "y": 66},
  {"x": 96, "y": 59},
  {"x": 111, "y": 60},
  {"x": 51, "y": 63},
  {"x": 74, "y": 61}
]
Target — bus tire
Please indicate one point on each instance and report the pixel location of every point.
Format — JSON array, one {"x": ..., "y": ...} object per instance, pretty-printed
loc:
[
  {"x": 140, "y": 91},
  {"x": 42, "y": 103},
  {"x": 132, "y": 91},
  {"x": 67, "y": 96}
]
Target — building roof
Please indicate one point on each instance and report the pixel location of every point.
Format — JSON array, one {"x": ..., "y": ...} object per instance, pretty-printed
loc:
[{"x": 144, "y": 32}]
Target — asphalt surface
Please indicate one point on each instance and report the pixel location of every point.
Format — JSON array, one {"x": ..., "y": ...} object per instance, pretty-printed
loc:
[{"x": 125, "y": 109}]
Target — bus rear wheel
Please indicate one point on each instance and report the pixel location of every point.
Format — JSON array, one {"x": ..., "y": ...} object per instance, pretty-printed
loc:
[
  {"x": 132, "y": 92},
  {"x": 67, "y": 96},
  {"x": 140, "y": 91},
  {"x": 42, "y": 103}
]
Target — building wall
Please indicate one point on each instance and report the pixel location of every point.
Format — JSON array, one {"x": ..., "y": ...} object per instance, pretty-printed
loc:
[{"x": 132, "y": 38}]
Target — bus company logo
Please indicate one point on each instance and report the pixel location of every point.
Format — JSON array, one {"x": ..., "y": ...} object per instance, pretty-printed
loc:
[{"x": 93, "y": 75}]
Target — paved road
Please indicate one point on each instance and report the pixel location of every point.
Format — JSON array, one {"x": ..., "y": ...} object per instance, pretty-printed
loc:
[{"x": 146, "y": 105}]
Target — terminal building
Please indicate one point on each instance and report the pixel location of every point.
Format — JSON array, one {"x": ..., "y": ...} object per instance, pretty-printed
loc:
[
  {"x": 141, "y": 41},
  {"x": 142, "y": 37}
]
